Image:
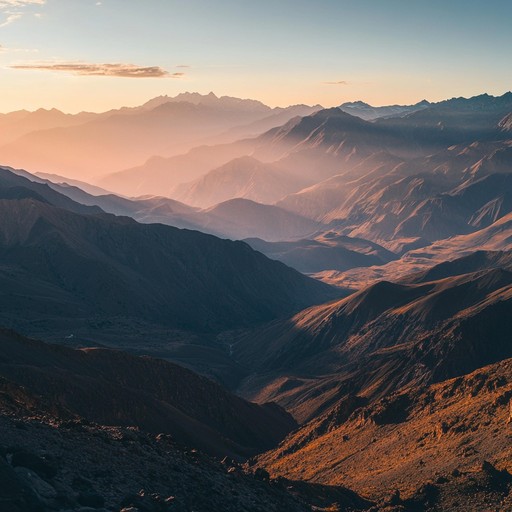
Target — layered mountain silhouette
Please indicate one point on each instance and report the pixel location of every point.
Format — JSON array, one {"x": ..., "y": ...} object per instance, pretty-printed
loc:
[
  {"x": 89, "y": 145},
  {"x": 243, "y": 177},
  {"x": 69, "y": 272},
  {"x": 234, "y": 219},
  {"x": 326, "y": 250}
]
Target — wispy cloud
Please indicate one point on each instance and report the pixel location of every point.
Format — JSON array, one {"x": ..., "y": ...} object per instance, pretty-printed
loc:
[
  {"x": 4, "y": 49},
  {"x": 11, "y": 18},
  {"x": 20, "y": 3},
  {"x": 12, "y": 10},
  {"x": 89, "y": 69},
  {"x": 339, "y": 82}
]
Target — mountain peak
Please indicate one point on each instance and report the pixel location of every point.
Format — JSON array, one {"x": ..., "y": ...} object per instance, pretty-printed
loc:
[{"x": 358, "y": 103}]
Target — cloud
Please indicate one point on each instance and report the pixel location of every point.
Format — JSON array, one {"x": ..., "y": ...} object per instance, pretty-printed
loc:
[
  {"x": 11, "y": 18},
  {"x": 12, "y": 15},
  {"x": 183, "y": 66},
  {"x": 339, "y": 82},
  {"x": 20, "y": 3},
  {"x": 88, "y": 69},
  {"x": 4, "y": 49}
]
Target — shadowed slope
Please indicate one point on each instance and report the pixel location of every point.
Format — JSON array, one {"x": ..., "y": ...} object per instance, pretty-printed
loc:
[{"x": 115, "y": 388}]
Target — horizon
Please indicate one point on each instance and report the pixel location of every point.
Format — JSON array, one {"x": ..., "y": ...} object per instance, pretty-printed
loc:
[
  {"x": 98, "y": 55},
  {"x": 220, "y": 96}
]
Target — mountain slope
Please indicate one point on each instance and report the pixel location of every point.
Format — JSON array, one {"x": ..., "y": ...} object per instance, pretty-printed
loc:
[
  {"x": 111, "y": 387},
  {"x": 235, "y": 219},
  {"x": 380, "y": 339},
  {"x": 437, "y": 435},
  {"x": 243, "y": 177},
  {"x": 20, "y": 184},
  {"x": 160, "y": 175},
  {"x": 241, "y": 218},
  {"x": 324, "y": 251},
  {"x": 104, "y": 266}
]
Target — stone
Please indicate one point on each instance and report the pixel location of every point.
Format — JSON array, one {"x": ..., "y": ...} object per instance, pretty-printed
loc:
[
  {"x": 43, "y": 467},
  {"x": 91, "y": 499},
  {"x": 40, "y": 486}
]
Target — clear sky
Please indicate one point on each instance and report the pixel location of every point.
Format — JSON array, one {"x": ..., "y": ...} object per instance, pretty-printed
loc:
[{"x": 95, "y": 55}]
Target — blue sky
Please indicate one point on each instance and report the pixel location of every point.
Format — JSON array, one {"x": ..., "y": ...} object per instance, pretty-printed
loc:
[{"x": 281, "y": 51}]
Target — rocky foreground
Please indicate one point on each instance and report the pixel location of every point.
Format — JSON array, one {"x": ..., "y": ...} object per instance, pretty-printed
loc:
[{"x": 76, "y": 466}]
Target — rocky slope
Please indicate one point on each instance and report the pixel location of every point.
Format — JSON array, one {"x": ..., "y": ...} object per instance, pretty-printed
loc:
[
  {"x": 102, "y": 430},
  {"x": 448, "y": 442}
]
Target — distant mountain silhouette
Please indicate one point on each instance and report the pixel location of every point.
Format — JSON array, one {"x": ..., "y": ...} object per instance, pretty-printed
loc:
[
  {"x": 243, "y": 177},
  {"x": 234, "y": 219},
  {"x": 85, "y": 146},
  {"x": 369, "y": 113}
]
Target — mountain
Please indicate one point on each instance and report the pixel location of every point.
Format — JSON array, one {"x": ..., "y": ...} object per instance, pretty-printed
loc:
[
  {"x": 98, "y": 428},
  {"x": 496, "y": 237},
  {"x": 370, "y": 113},
  {"x": 234, "y": 219},
  {"x": 324, "y": 251},
  {"x": 96, "y": 278},
  {"x": 242, "y": 218},
  {"x": 119, "y": 140},
  {"x": 107, "y": 267},
  {"x": 110, "y": 387},
  {"x": 384, "y": 337},
  {"x": 137, "y": 469},
  {"x": 331, "y": 142},
  {"x": 19, "y": 185},
  {"x": 61, "y": 180},
  {"x": 506, "y": 123},
  {"x": 243, "y": 177},
  {"x": 89, "y": 146},
  {"x": 17, "y": 124},
  {"x": 278, "y": 117},
  {"x": 434, "y": 444},
  {"x": 159, "y": 175},
  {"x": 455, "y": 191}
]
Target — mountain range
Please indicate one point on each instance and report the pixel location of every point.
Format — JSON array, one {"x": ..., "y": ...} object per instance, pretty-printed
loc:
[{"x": 298, "y": 309}]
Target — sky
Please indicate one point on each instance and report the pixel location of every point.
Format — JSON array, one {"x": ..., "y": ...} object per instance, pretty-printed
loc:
[{"x": 96, "y": 55}]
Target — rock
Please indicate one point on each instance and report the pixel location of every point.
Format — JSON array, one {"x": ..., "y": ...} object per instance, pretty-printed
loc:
[
  {"x": 498, "y": 480},
  {"x": 91, "y": 499},
  {"x": 16, "y": 494},
  {"x": 40, "y": 487},
  {"x": 261, "y": 474},
  {"x": 43, "y": 467}
]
